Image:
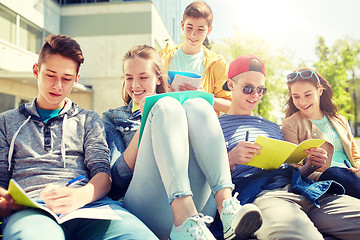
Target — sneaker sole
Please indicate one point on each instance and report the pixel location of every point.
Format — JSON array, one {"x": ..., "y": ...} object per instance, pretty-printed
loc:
[{"x": 250, "y": 223}]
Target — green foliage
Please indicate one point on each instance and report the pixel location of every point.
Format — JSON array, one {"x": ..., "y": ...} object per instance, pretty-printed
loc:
[
  {"x": 276, "y": 61},
  {"x": 339, "y": 65}
]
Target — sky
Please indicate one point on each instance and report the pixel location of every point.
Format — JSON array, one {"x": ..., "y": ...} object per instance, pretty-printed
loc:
[{"x": 290, "y": 24}]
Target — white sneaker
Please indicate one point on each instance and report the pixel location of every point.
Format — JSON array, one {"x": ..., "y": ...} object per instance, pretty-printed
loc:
[
  {"x": 193, "y": 228},
  {"x": 239, "y": 221}
]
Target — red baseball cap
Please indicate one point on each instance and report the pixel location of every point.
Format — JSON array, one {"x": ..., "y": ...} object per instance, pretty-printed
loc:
[{"x": 244, "y": 64}]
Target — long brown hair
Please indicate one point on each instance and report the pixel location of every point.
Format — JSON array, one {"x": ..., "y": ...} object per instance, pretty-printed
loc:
[
  {"x": 327, "y": 105},
  {"x": 148, "y": 53}
]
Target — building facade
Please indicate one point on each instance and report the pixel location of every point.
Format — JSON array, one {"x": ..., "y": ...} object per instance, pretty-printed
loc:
[{"x": 105, "y": 30}]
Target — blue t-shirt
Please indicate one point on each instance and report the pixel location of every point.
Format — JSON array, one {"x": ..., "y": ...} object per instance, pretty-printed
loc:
[{"x": 45, "y": 115}]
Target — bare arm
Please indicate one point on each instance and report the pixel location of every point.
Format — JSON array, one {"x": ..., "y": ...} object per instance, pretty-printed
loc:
[
  {"x": 131, "y": 151},
  {"x": 221, "y": 104}
]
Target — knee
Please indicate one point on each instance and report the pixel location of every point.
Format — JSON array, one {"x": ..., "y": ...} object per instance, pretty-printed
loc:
[
  {"x": 130, "y": 226},
  {"x": 29, "y": 224},
  {"x": 285, "y": 233},
  {"x": 199, "y": 107},
  {"x": 167, "y": 106}
]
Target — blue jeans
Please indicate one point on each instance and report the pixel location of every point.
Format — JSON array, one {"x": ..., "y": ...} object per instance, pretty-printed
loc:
[
  {"x": 182, "y": 152},
  {"x": 35, "y": 224},
  {"x": 349, "y": 180}
]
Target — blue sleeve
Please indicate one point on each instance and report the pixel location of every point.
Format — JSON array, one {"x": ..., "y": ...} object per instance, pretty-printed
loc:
[
  {"x": 114, "y": 138},
  {"x": 120, "y": 172}
]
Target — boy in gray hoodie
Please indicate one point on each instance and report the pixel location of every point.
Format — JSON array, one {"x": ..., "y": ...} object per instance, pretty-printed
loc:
[{"x": 47, "y": 143}]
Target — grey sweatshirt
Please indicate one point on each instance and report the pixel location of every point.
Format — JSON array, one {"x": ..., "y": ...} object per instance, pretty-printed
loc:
[{"x": 36, "y": 153}]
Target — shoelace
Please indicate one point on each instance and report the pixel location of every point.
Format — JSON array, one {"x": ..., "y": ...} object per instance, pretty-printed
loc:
[
  {"x": 234, "y": 202},
  {"x": 197, "y": 230}
]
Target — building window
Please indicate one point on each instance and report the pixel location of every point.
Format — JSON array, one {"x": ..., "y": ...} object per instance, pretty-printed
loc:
[
  {"x": 7, "y": 102},
  {"x": 7, "y": 26},
  {"x": 30, "y": 36}
]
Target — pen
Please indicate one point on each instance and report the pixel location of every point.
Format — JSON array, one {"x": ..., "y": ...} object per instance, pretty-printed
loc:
[
  {"x": 75, "y": 180},
  {"x": 247, "y": 135},
  {"x": 347, "y": 164}
]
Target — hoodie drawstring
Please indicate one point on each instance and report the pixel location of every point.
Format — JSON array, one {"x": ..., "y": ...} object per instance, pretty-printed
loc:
[
  {"x": 63, "y": 153},
  {"x": 11, "y": 150}
]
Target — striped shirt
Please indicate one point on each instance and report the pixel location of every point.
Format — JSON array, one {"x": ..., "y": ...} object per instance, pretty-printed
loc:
[{"x": 234, "y": 129}]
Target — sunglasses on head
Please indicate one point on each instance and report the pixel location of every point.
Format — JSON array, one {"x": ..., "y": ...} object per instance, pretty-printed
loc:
[{"x": 305, "y": 74}]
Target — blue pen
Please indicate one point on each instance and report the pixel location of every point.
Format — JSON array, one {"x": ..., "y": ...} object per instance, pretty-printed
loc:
[
  {"x": 347, "y": 164},
  {"x": 247, "y": 135},
  {"x": 75, "y": 180}
]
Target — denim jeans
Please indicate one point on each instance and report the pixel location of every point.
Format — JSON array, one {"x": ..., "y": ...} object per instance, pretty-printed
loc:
[
  {"x": 182, "y": 152},
  {"x": 38, "y": 225},
  {"x": 349, "y": 180}
]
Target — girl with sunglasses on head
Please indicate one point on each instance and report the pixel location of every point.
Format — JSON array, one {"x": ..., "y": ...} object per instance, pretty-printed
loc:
[
  {"x": 180, "y": 167},
  {"x": 311, "y": 113}
]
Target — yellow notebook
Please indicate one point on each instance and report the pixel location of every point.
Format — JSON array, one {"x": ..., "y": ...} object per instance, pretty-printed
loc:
[
  {"x": 276, "y": 152},
  {"x": 98, "y": 212},
  {"x": 19, "y": 195}
]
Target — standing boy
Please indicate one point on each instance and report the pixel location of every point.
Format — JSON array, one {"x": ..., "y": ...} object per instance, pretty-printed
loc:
[
  {"x": 192, "y": 56},
  {"x": 292, "y": 206},
  {"x": 52, "y": 140}
]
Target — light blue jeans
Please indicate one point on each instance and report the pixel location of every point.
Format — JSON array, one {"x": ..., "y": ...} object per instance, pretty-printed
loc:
[
  {"x": 182, "y": 152},
  {"x": 35, "y": 224}
]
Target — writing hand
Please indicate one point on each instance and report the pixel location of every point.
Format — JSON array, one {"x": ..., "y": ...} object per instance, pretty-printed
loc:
[
  {"x": 243, "y": 152},
  {"x": 61, "y": 199}
]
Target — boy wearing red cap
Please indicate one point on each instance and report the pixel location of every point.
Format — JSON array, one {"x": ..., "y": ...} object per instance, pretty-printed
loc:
[
  {"x": 293, "y": 206},
  {"x": 193, "y": 56}
]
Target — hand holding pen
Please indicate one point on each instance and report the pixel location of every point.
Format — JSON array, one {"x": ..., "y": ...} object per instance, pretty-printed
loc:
[
  {"x": 62, "y": 199},
  {"x": 75, "y": 180},
  {"x": 244, "y": 151},
  {"x": 353, "y": 169}
]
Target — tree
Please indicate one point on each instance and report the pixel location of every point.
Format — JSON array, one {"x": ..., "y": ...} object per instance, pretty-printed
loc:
[
  {"x": 340, "y": 65},
  {"x": 276, "y": 64}
]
